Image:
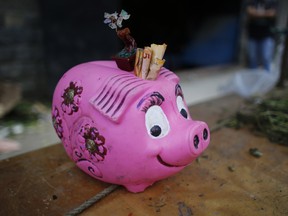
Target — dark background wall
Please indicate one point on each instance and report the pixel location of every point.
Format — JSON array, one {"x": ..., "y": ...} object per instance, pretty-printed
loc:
[
  {"x": 40, "y": 40},
  {"x": 21, "y": 45},
  {"x": 197, "y": 33},
  {"x": 74, "y": 33}
]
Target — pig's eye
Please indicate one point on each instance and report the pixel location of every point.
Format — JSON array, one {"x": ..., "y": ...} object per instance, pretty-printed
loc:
[
  {"x": 181, "y": 107},
  {"x": 157, "y": 124}
]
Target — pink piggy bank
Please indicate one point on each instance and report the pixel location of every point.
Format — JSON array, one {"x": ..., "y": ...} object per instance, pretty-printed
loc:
[{"x": 125, "y": 130}]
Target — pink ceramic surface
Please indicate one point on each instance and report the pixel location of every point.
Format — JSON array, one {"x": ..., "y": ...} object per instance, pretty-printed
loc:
[{"x": 124, "y": 130}]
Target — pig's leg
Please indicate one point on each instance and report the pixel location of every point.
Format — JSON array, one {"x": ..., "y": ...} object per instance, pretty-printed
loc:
[{"x": 136, "y": 188}]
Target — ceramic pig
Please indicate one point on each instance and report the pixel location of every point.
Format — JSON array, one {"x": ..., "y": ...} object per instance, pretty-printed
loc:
[{"x": 125, "y": 130}]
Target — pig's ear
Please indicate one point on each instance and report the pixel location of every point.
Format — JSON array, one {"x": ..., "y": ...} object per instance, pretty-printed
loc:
[
  {"x": 117, "y": 94},
  {"x": 168, "y": 75}
]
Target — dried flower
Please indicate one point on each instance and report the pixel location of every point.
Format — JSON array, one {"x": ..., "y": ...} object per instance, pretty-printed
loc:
[
  {"x": 126, "y": 57},
  {"x": 114, "y": 21}
]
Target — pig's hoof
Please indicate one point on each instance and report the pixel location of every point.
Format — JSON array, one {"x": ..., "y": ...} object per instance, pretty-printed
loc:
[{"x": 137, "y": 188}]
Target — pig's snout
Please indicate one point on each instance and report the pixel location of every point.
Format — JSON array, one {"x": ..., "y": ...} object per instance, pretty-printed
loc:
[
  {"x": 199, "y": 138},
  {"x": 192, "y": 145}
]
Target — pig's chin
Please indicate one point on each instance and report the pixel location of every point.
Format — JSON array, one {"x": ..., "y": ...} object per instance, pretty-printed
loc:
[{"x": 161, "y": 161}]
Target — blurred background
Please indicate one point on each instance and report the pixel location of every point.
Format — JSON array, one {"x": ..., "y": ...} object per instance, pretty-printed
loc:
[{"x": 40, "y": 40}]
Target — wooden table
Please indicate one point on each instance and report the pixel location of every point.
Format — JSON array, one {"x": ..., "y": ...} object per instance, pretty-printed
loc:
[{"x": 227, "y": 180}]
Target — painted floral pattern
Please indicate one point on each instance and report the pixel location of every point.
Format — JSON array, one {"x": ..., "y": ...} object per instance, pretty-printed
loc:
[
  {"x": 71, "y": 98},
  {"x": 57, "y": 122},
  {"x": 94, "y": 142}
]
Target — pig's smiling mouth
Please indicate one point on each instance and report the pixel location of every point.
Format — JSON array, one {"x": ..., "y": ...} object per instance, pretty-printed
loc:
[{"x": 166, "y": 164}]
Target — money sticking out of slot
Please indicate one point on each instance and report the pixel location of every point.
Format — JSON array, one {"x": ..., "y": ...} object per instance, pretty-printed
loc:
[
  {"x": 138, "y": 62},
  {"x": 149, "y": 61}
]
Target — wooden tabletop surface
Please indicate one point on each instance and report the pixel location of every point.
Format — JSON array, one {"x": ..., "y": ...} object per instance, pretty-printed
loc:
[{"x": 225, "y": 180}]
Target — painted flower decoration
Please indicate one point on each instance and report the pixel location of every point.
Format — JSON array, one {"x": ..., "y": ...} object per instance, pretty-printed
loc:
[
  {"x": 94, "y": 142},
  {"x": 57, "y": 122},
  {"x": 114, "y": 21},
  {"x": 71, "y": 98}
]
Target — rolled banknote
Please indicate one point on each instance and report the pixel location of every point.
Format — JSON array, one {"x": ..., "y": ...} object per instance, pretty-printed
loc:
[
  {"x": 138, "y": 62},
  {"x": 147, "y": 55},
  {"x": 157, "y": 60},
  {"x": 158, "y": 51},
  {"x": 155, "y": 69},
  {"x": 149, "y": 61}
]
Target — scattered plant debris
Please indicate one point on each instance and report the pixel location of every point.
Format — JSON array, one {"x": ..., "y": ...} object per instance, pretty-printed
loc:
[
  {"x": 24, "y": 113},
  {"x": 255, "y": 152},
  {"x": 264, "y": 116},
  {"x": 231, "y": 168}
]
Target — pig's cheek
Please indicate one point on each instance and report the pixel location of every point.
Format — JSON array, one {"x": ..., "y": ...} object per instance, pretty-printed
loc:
[{"x": 153, "y": 149}]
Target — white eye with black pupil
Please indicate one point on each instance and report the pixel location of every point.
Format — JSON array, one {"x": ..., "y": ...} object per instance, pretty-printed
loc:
[
  {"x": 157, "y": 124},
  {"x": 181, "y": 107},
  {"x": 155, "y": 130}
]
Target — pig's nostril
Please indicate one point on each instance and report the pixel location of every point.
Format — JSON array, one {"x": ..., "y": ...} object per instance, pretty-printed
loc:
[
  {"x": 196, "y": 141},
  {"x": 205, "y": 134}
]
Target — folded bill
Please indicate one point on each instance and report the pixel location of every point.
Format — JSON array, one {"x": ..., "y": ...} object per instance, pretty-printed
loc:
[{"x": 149, "y": 61}]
